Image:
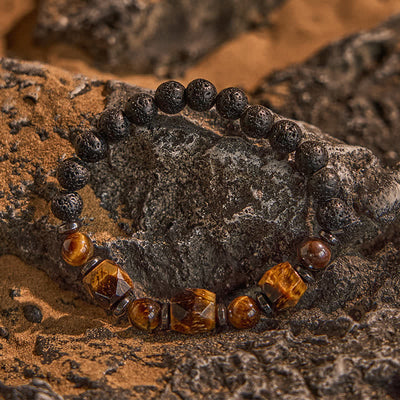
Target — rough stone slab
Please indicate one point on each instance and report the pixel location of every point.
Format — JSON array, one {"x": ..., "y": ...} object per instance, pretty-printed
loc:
[
  {"x": 192, "y": 203},
  {"x": 162, "y": 37},
  {"x": 349, "y": 89}
]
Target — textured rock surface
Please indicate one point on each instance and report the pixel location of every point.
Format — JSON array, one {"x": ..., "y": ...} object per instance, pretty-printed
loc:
[
  {"x": 349, "y": 89},
  {"x": 148, "y": 36},
  {"x": 191, "y": 203}
]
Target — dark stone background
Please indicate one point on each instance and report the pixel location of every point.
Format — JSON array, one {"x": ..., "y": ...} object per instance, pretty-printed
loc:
[
  {"x": 343, "y": 339},
  {"x": 161, "y": 37}
]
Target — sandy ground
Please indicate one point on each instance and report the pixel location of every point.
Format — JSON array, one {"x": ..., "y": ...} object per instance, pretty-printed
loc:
[{"x": 297, "y": 30}]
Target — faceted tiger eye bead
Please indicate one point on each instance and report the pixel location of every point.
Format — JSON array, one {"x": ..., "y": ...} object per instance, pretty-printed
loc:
[
  {"x": 107, "y": 283},
  {"x": 243, "y": 312},
  {"x": 314, "y": 253},
  {"x": 282, "y": 285},
  {"x": 77, "y": 248},
  {"x": 145, "y": 314},
  {"x": 193, "y": 311}
]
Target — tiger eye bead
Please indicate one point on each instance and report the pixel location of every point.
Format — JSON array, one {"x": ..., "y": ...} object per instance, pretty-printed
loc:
[
  {"x": 77, "y": 248},
  {"x": 314, "y": 253},
  {"x": 145, "y": 314},
  {"x": 107, "y": 283},
  {"x": 193, "y": 311},
  {"x": 243, "y": 312},
  {"x": 282, "y": 285}
]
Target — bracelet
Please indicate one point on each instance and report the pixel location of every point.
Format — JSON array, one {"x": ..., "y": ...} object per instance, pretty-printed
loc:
[{"x": 196, "y": 310}]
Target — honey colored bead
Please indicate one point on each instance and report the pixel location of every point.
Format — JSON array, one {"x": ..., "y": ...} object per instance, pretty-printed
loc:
[
  {"x": 243, "y": 312},
  {"x": 145, "y": 314},
  {"x": 77, "y": 248},
  {"x": 314, "y": 253},
  {"x": 107, "y": 283},
  {"x": 282, "y": 285},
  {"x": 193, "y": 311}
]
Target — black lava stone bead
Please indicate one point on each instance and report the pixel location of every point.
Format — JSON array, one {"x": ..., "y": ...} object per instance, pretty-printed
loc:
[
  {"x": 114, "y": 125},
  {"x": 324, "y": 184},
  {"x": 311, "y": 157},
  {"x": 200, "y": 95},
  {"x": 90, "y": 147},
  {"x": 72, "y": 174},
  {"x": 231, "y": 102},
  {"x": 256, "y": 122},
  {"x": 170, "y": 97},
  {"x": 334, "y": 214},
  {"x": 67, "y": 206},
  {"x": 141, "y": 109},
  {"x": 285, "y": 136}
]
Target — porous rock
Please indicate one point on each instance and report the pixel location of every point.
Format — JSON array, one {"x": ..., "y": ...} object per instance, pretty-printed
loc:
[
  {"x": 148, "y": 36},
  {"x": 191, "y": 202},
  {"x": 349, "y": 89}
]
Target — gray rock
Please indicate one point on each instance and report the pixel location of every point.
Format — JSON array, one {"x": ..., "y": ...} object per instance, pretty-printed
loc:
[
  {"x": 349, "y": 89},
  {"x": 163, "y": 37},
  {"x": 200, "y": 205}
]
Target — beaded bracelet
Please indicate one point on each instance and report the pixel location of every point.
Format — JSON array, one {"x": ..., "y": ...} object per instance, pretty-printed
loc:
[{"x": 196, "y": 310}]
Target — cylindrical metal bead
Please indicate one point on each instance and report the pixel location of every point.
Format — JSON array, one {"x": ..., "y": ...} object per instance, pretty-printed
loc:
[
  {"x": 122, "y": 306},
  {"x": 69, "y": 227},
  {"x": 221, "y": 315},
  {"x": 90, "y": 265},
  {"x": 329, "y": 237},
  {"x": 165, "y": 318},
  {"x": 265, "y": 304},
  {"x": 307, "y": 276}
]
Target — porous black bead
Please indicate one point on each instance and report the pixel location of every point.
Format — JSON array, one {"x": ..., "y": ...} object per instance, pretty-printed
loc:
[
  {"x": 113, "y": 124},
  {"x": 231, "y": 102},
  {"x": 67, "y": 206},
  {"x": 72, "y": 174},
  {"x": 90, "y": 147},
  {"x": 285, "y": 136},
  {"x": 200, "y": 95},
  {"x": 335, "y": 214},
  {"x": 141, "y": 109},
  {"x": 324, "y": 184},
  {"x": 310, "y": 157},
  {"x": 170, "y": 97},
  {"x": 256, "y": 122}
]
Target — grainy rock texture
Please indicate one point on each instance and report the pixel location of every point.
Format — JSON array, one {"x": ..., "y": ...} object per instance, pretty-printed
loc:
[
  {"x": 191, "y": 202},
  {"x": 349, "y": 89},
  {"x": 148, "y": 36}
]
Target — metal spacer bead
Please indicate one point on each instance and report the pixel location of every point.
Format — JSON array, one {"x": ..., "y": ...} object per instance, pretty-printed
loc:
[
  {"x": 265, "y": 304},
  {"x": 69, "y": 227},
  {"x": 329, "y": 237},
  {"x": 165, "y": 319},
  {"x": 222, "y": 315},
  {"x": 305, "y": 275},
  {"x": 122, "y": 306},
  {"x": 93, "y": 262}
]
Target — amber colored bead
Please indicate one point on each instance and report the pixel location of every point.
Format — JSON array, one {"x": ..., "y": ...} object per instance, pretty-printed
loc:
[
  {"x": 282, "y": 285},
  {"x": 193, "y": 311},
  {"x": 77, "y": 248},
  {"x": 243, "y": 312},
  {"x": 145, "y": 314},
  {"x": 315, "y": 253},
  {"x": 107, "y": 283}
]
